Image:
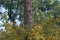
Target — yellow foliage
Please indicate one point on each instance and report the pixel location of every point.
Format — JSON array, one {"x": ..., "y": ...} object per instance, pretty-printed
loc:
[{"x": 46, "y": 30}]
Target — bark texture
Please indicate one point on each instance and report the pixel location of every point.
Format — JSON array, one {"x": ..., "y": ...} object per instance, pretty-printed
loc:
[{"x": 27, "y": 12}]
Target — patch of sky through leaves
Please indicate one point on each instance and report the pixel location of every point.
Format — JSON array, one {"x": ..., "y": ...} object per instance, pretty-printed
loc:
[{"x": 3, "y": 11}]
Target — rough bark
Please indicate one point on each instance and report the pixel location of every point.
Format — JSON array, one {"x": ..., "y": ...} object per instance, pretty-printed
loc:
[{"x": 27, "y": 12}]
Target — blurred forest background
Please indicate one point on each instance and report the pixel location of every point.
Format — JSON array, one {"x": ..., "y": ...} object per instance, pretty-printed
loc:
[{"x": 29, "y": 19}]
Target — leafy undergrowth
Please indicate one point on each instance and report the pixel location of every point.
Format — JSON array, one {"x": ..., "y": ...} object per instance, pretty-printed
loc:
[{"x": 46, "y": 30}]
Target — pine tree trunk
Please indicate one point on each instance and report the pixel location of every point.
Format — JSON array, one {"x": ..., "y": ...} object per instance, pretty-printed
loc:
[{"x": 27, "y": 12}]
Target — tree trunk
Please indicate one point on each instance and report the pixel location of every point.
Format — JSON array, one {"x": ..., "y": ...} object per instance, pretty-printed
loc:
[{"x": 27, "y": 12}]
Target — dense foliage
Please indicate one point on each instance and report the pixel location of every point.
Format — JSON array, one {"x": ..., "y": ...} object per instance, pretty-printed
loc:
[
  {"x": 47, "y": 30},
  {"x": 46, "y": 21}
]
